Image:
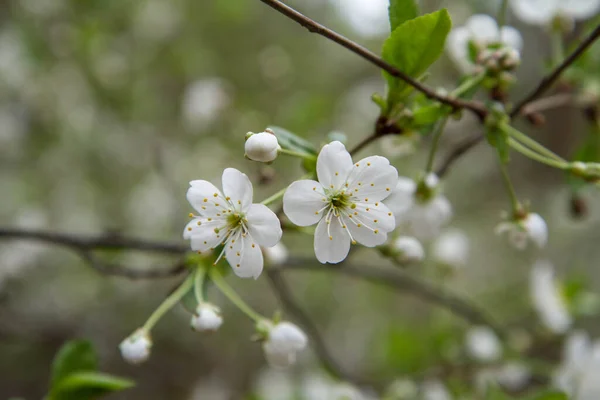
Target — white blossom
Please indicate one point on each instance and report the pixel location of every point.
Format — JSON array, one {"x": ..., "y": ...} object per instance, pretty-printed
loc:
[
  {"x": 480, "y": 32},
  {"x": 135, "y": 349},
  {"x": 547, "y": 299},
  {"x": 262, "y": 146},
  {"x": 276, "y": 255},
  {"x": 319, "y": 387},
  {"x": 434, "y": 390},
  {"x": 420, "y": 208},
  {"x": 531, "y": 227},
  {"x": 229, "y": 217},
  {"x": 203, "y": 101},
  {"x": 513, "y": 375},
  {"x": 207, "y": 318},
  {"x": 274, "y": 384},
  {"x": 409, "y": 249},
  {"x": 451, "y": 248},
  {"x": 580, "y": 367},
  {"x": 345, "y": 202},
  {"x": 282, "y": 343},
  {"x": 543, "y": 12},
  {"x": 483, "y": 344}
]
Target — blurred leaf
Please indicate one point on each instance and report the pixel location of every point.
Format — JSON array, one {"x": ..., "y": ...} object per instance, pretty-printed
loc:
[
  {"x": 291, "y": 141},
  {"x": 89, "y": 385},
  {"x": 74, "y": 356},
  {"x": 495, "y": 393},
  {"x": 401, "y": 11},
  {"x": 549, "y": 395},
  {"x": 413, "y": 47},
  {"x": 428, "y": 115}
]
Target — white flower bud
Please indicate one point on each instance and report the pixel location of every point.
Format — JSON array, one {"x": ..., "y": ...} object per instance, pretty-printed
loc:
[
  {"x": 483, "y": 344},
  {"x": 207, "y": 318},
  {"x": 276, "y": 255},
  {"x": 451, "y": 249},
  {"x": 531, "y": 228},
  {"x": 262, "y": 146},
  {"x": 410, "y": 249},
  {"x": 136, "y": 348},
  {"x": 283, "y": 341}
]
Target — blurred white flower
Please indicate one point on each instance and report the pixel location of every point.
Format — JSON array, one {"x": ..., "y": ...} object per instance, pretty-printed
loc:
[
  {"x": 434, "y": 390},
  {"x": 274, "y": 384},
  {"x": 483, "y": 345},
  {"x": 547, "y": 299},
  {"x": 319, "y": 387},
  {"x": 367, "y": 18},
  {"x": 203, "y": 101},
  {"x": 531, "y": 227},
  {"x": 231, "y": 218},
  {"x": 409, "y": 249},
  {"x": 283, "y": 341},
  {"x": 207, "y": 318},
  {"x": 513, "y": 375},
  {"x": 276, "y": 255},
  {"x": 14, "y": 66},
  {"x": 480, "y": 32},
  {"x": 580, "y": 367},
  {"x": 345, "y": 202},
  {"x": 262, "y": 147},
  {"x": 451, "y": 249},
  {"x": 543, "y": 12},
  {"x": 135, "y": 349},
  {"x": 211, "y": 388},
  {"x": 157, "y": 19},
  {"x": 419, "y": 207}
]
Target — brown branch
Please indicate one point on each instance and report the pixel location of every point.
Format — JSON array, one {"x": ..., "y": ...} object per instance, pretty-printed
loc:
[
  {"x": 549, "y": 80},
  {"x": 319, "y": 29}
]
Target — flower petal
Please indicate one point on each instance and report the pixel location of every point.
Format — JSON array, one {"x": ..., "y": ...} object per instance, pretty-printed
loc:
[
  {"x": 457, "y": 47},
  {"x": 201, "y": 194},
  {"x": 238, "y": 188},
  {"x": 303, "y": 201},
  {"x": 191, "y": 228},
  {"x": 333, "y": 165},
  {"x": 538, "y": 12},
  {"x": 244, "y": 256},
  {"x": 511, "y": 37},
  {"x": 332, "y": 242},
  {"x": 483, "y": 28},
  {"x": 205, "y": 238},
  {"x": 402, "y": 198},
  {"x": 370, "y": 224},
  {"x": 372, "y": 179},
  {"x": 580, "y": 9},
  {"x": 264, "y": 226}
]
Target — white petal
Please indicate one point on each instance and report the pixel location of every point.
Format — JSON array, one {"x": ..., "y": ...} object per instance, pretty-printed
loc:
[
  {"x": 441, "y": 209},
  {"x": 483, "y": 344},
  {"x": 483, "y": 28},
  {"x": 244, "y": 256},
  {"x": 512, "y": 37},
  {"x": 238, "y": 188},
  {"x": 538, "y": 12},
  {"x": 332, "y": 242},
  {"x": 191, "y": 228},
  {"x": 303, "y": 201},
  {"x": 546, "y": 298},
  {"x": 537, "y": 229},
  {"x": 402, "y": 198},
  {"x": 277, "y": 359},
  {"x": 372, "y": 178},
  {"x": 264, "y": 226},
  {"x": 365, "y": 234},
  {"x": 452, "y": 248},
  {"x": 202, "y": 193},
  {"x": 457, "y": 46},
  {"x": 580, "y": 9},
  {"x": 205, "y": 238},
  {"x": 333, "y": 165}
]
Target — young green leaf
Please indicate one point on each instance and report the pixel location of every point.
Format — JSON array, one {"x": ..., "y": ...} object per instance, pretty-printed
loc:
[
  {"x": 74, "y": 356},
  {"x": 413, "y": 47},
  {"x": 401, "y": 11},
  {"x": 89, "y": 385},
  {"x": 291, "y": 141}
]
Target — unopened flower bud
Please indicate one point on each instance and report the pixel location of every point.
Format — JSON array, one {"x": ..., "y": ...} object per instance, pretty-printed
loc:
[
  {"x": 483, "y": 344},
  {"x": 532, "y": 228},
  {"x": 276, "y": 255},
  {"x": 282, "y": 343},
  {"x": 207, "y": 318},
  {"x": 451, "y": 249},
  {"x": 409, "y": 249},
  {"x": 261, "y": 146},
  {"x": 136, "y": 348}
]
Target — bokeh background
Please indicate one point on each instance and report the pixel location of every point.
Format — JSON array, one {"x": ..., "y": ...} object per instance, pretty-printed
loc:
[{"x": 108, "y": 109}]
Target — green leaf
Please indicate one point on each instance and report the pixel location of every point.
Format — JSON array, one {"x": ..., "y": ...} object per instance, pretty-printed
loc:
[
  {"x": 74, "y": 356},
  {"x": 291, "y": 141},
  {"x": 551, "y": 395},
  {"x": 89, "y": 385},
  {"x": 413, "y": 47},
  {"x": 428, "y": 115},
  {"x": 401, "y": 11}
]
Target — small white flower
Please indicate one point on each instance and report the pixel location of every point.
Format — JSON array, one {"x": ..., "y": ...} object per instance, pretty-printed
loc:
[
  {"x": 483, "y": 344},
  {"x": 207, "y": 318},
  {"x": 135, "y": 349},
  {"x": 231, "y": 218},
  {"x": 262, "y": 146},
  {"x": 547, "y": 299},
  {"x": 434, "y": 390},
  {"x": 276, "y": 255},
  {"x": 203, "y": 101},
  {"x": 410, "y": 249},
  {"x": 420, "y": 208},
  {"x": 451, "y": 248},
  {"x": 345, "y": 202},
  {"x": 480, "y": 32},
  {"x": 543, "y": 12},
  {"x": 532, "y": 228},
  {"x": 283, "y": 341},
  {"x": 580, "y": 367}
]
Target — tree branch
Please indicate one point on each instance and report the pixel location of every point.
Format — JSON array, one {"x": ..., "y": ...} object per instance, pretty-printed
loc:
[{"x": 319, "y": 29}]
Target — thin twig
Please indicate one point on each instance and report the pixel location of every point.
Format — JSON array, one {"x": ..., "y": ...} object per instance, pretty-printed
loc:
[
  {"x": 549, "y": 80},
  {"x": 315, "y": 27},
  {"x": 364, "y": 143}
]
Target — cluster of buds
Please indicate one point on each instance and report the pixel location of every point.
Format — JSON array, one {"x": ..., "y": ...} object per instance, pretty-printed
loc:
[{"x": 499, "y": 60}]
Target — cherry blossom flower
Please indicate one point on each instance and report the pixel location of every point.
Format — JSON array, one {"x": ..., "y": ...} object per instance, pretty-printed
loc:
[
  {"x": 282, "y": 343},
  {"x": 479, "y": 34},
  {"x": 543, "y": 12},
  {"x": 546, "y": 298},
  {"x": 451, "y": 249},
  {"x": 207, "y": 318},
  {"x": 410, "y": 249},
  {"x": 276, "y": 255},
  {"x": 483, "y": 344},
  {"x": 262, "y": 146},
  {"x": 529, "y": 228},
  {"x": 346, "y": 202},
  {"x": 578, "y": 373},
  {"x": 135, "y": 349},
  {"x": 419, "y": 207},
  {"x": 229, "y": 217}
]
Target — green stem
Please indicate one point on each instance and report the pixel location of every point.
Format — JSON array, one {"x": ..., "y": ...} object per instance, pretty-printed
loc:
[
  {"x": 558, "y": 49},
  {"x": 198, "y": 283},
  {"x": 169, "y": 302},
  {"x": 297, "y": 154},
  {"x": 434, "y": 143},
  {"x": 527, "y": 152},
  {"x": 514, "y": 200},
  {"x": 274, "y": 197},
  {"x": 529, "y": 142},
  {"x": 228, "y": 291},
  {"x": 468, "y": 85},
  {"x": 501, "y": 18}
]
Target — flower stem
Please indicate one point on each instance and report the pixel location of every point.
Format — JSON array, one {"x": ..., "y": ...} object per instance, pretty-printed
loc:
[
  {"x": 514, "y": 200},
  {"x": 527, "y": 152},
  {"x": 228, "y": 291},
  {"x": 529, "y": 142},
  {"x": 558, "y": 48},
  {"x": 169, "y": 302},
  {"x": 274, "y": 197},
  {"x": 468, "y": 85},
  {"x": 297, "y": 154},
  {"x": 198, "y": 283},
  {"x": 434, "y": 143},
  {"x": 501, "y": 17}
]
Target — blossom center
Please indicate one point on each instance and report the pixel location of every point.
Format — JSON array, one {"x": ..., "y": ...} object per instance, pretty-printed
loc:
[
  {"x": 235, "y": 220},
  {"x": 340, "y": 200}
]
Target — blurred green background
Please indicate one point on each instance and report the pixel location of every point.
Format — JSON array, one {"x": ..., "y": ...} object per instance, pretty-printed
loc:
[{"x": 107, "y": 110}]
